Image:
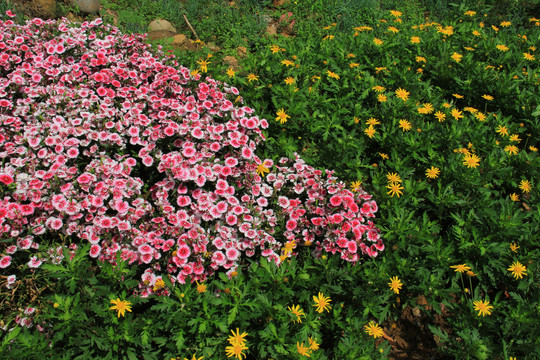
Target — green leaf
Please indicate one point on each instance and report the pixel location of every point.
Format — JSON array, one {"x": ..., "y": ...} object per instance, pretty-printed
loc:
[
  {"x": 11, "y": 336},
  {"x": 131, "y": 355},
  {"x": 180, "y": 340},
  {"x": 232, "y": 315}
]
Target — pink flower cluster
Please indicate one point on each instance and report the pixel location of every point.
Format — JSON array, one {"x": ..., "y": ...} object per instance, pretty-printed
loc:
[
  {"x": 322, "y": 211},
  {"x": 107, "y": 142}
]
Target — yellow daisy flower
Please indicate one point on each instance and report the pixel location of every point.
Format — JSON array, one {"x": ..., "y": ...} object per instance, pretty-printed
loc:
[
  {"x": 525, "y": 186},
  {"x": 252, "y": 77},
  {"x": 282, "y": 116},
  {"x": 517, "y": 269},
  {"x": 405, "y": 125},
  {"x": 296, "y": 310},
  {"x": 395, "y": 188},
  {"x": 393, "y": 177},
  {"x": 482, "y": 307},
  {"x": 374, "y": 330},
  {"x": 395, "y": 284},
  {"x": 433, "y": 172},
  {"x": 370, "y": 131},
  {"x": 121, "y": 306},
  {"x": 321, "y": 303},
  {"x": 471, "y": 160},
  {"x": 461, "y": 268},
  {"x": 456, "y": 57},
  {"x": 402, "y": 94}
]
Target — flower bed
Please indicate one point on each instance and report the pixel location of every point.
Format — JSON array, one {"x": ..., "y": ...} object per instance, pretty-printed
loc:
[{"x": 106, "y": 141}]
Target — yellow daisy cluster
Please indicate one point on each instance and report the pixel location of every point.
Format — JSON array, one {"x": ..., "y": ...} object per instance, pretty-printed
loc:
[
  {"x": 306, "y": 350},
  {"x": 237, "y": 345},
  {"x": 370, "y": 130},
  {"x": 287, "y": 249},
  {"x": 394, "y": 184}
]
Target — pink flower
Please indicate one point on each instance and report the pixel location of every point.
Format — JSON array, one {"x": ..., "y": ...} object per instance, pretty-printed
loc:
[
  {"x": 84, "y": 178},
  {"x": 148, "y": 161},
  {"x": 37, "y": 78},
  {"x": 29, "y": 311},
  {"x": 54, "y": 223},
  {"x": 247, "y": 153},
  {"x": 27, "y": 209},
  {"x": 291, "y": 225},
  {"x": 10, "y": 13},
  {"x": 34, "y": 262},
  {"x": 121, "y": 206},
  {"x": 372, "y": 251},
  {"x": 10, "y": 281},
  {"x": 218, "y": 243},
  {"x": 189, "y": 152},
  {"x": 373, "y": 235},
  {"x": 232, "y": 254},
  {"x": 72, "y": 153},
  {"x": 342, "y": 242},
  {"x": 283, "y": 202},
  {"x": 218, "y": 258},
  {"x": 146, "y": 249},
  {"x": 379, "y": 245},
  {"x": 183, "y": 252},
  {"x": 24, "y": 244},
  {"x": 102, "y": 91},
  {"x": 268, "y": 252},
  {"x": 148, "y": 278},
  {"x": 147, "y": 258},
  {"x": 263, "y": 202},
  {"x": 95, "y": 250},
  {"x": 5, "y": 262},
  {"x": 230, "y": 161},
  {"x": 6, "y": 179},
  {"x": 226, "y": 171},
  {"x": 105, "y": 222},
  {"x": 232, "y": 220},
  {"x": 335, "y": 200}
]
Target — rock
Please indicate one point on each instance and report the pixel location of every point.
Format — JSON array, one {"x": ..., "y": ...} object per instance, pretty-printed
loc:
[
  {"x": 231, "y": 61},
  {"x": 267, "y": 19},
  {"x": 161, "y": 25},
  {"x": 421, "y": 300},
  {"x": 287, "y": 22},
  {"x": 111, "y": 14},
  {"x": 213, "y": 47},
  {"x": 271, "y": 29},
  {"x": 74, "y": 18},
  {"x": 179, "y": 39},
  {"x": 242, "y": 51},
  {"x": 87, "y": 6},
  {"x": 159, "y": 34},
  {"x": 185, "y": 44},
  {"x": 44, "y": 9}
]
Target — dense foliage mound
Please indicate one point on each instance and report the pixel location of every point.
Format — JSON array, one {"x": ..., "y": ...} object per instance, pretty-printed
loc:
[{"x": 106, "y": 141}]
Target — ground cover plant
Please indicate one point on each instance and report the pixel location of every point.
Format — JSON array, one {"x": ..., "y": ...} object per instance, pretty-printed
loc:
[{"x": 437, "y": 119}]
